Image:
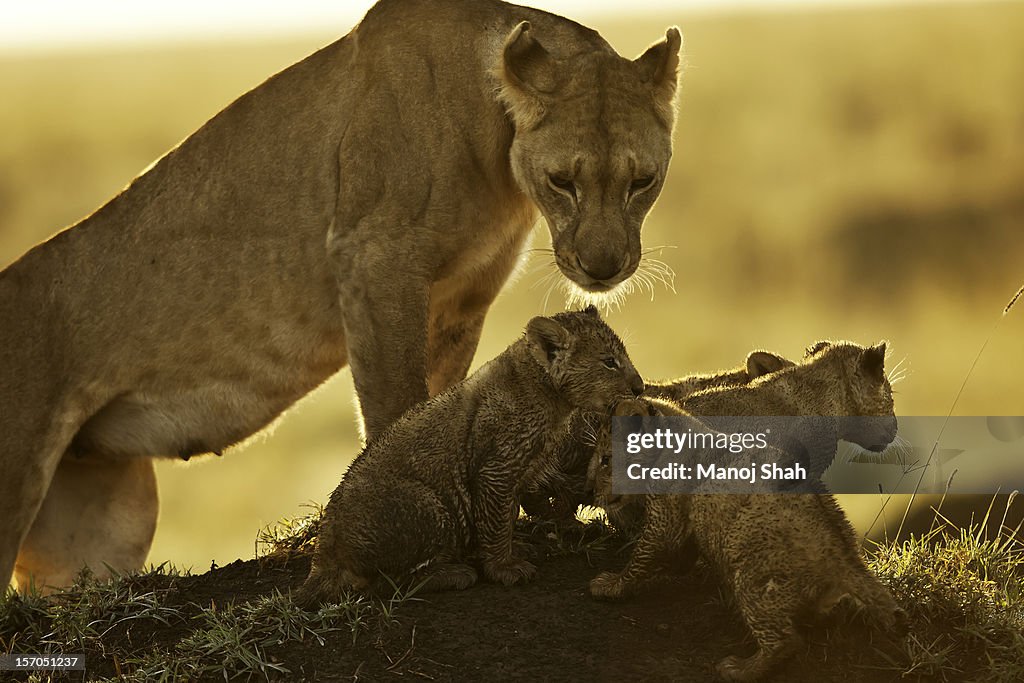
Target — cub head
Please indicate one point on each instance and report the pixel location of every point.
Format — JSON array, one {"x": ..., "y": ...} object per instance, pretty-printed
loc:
[
  {"x": 758, "y": 364},
  {"x": 624, "y": 511},
  {"x": 858, "y": 376},
  {"x": 593, "y": 138},
  {"x": 584, "y": 359}
]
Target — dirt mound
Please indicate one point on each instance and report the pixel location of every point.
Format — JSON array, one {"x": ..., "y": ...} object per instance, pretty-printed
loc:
[{"x": 551, "y": 629}]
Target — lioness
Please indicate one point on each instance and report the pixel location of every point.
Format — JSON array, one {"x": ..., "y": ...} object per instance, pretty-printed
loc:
[
  {"x": 363, "y": 206},
  {"x": 442, "y": 483}
]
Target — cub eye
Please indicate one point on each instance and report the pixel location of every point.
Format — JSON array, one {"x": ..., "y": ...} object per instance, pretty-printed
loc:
[
  {"x": 562, "y": 183},
  {"x": 642, "y": 183},
  {"x": 611, "y": 363},
  {"x": 605, "y": 459}
]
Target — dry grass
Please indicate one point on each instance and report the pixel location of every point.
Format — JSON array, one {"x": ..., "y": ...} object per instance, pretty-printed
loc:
[
  {"x": 964, "y": 593},
  {"x": 962, "y": 589}
]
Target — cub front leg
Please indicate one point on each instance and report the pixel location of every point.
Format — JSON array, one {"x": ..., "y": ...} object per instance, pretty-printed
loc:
[
  {"x": 384, "y": 301},
  {"x": 494, "y": 514},
  {"x": 663, "y": 534}
]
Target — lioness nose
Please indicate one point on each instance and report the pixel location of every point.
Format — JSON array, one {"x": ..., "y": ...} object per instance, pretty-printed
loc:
[{"x": 601, "y": 266}]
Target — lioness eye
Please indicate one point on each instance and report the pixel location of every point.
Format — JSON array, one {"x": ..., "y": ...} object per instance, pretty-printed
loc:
[
  {"x": 610, "y": 363},
  {"x": 640, "y": 184},
  {"x": 563, "y": 184}
]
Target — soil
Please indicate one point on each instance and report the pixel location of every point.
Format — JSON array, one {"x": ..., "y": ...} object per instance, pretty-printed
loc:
[{"x": 550, "y": 629}]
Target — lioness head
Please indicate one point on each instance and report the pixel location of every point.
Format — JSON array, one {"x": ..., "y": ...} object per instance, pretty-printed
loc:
[{"x": 593, "y": 138}]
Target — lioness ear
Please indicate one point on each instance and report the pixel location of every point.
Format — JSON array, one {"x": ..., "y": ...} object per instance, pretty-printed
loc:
[
  {"x": 547, "y": 338},
  {"x": 873, "y": 361},
  {"x": 764, "y": 363},
  {"x": 527, "y": 72},
  {"x": 659, "y": 66}
]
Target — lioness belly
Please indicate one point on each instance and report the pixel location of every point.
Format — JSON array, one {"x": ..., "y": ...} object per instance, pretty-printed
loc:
[{"x": 199, "y": 412}]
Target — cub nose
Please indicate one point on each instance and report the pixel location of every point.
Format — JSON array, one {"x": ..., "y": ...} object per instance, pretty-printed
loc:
[{"x": 636, "y": 385}]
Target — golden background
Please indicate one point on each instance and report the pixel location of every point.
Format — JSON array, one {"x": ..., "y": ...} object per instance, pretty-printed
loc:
[{"x": 849, "y": 174}]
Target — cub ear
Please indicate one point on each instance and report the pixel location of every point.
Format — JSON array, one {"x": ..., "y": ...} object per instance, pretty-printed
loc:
[
  {"x": 659, "y": 66},
  {"x": 872, "y": 361},
  {"x": 547, "y": 339},
  {"x": 764, "y": 363},
  {"x": 592, "y": 311},
  {"x": 527, "y": 72},
  {"x": 815, "y": 348}
]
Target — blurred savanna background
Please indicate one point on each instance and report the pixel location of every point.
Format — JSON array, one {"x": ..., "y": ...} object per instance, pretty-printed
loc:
[{"x": 841, "y": 171}]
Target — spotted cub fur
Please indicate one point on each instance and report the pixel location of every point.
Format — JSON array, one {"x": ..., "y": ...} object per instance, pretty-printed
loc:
[
  {"x": 559, "y": 499},
  {"x": 782, "y": 556}
]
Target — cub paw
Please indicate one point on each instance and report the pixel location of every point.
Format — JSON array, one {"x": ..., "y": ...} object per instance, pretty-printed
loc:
[
  {"x": 895, "y": 622},
  {"x": 510, "y": 573},
  {"x": 734, "y": 668},
  {"x": 607, "y": 585},
  {"x": 451, "y": 577}
]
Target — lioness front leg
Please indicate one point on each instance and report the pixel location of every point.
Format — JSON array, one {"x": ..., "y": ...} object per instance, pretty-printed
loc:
[
  {"x": 384, "y": 304},
  {"x": 97, "y": 513},
  {"x": 450, "y": 350}
]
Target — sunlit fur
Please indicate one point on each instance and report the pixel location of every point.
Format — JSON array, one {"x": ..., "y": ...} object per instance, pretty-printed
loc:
[
  {"x": 441, "y": 486},
  {"x": 782, "y": 557}
]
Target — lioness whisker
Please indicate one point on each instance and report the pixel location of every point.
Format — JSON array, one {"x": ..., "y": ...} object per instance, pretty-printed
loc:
[
  {"x": 658, "y": 271},
  {"x": 659, "y": 249},
  {"x": 545, "y": 278},
  {"x": 555, "y": 282}
]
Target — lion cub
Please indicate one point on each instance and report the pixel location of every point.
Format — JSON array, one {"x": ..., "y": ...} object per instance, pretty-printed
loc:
[
  {"x": 443, "y": 482},
  {"x": 757, "y": 364},
  {"x": 782, "y": 555},
  {"x": 561, "y": 496}
]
